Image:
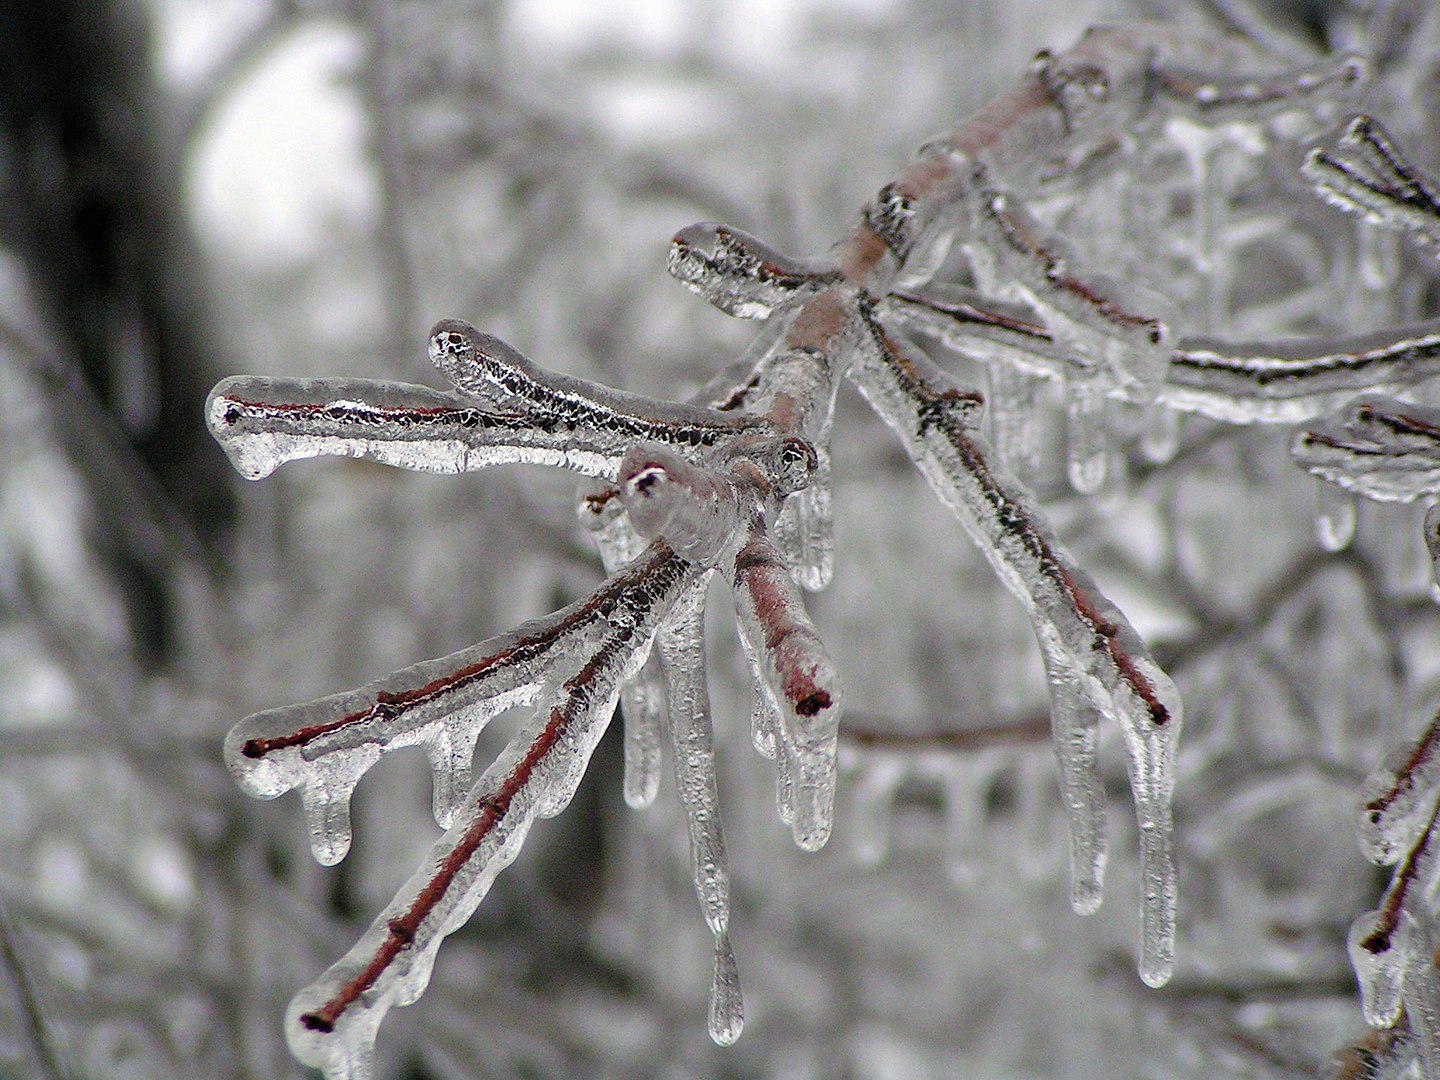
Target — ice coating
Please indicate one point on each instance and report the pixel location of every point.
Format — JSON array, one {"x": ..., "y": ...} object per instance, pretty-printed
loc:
[
  {"x": 1041, "y": 312},
  {"x": 1398, "y": 796},
  {"x": 1263, "y": 382},
  {"x": 696, "y": 510}
]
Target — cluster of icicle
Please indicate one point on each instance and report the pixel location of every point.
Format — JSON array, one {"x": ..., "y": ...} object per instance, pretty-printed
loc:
[{"x": 735, "y": 485}]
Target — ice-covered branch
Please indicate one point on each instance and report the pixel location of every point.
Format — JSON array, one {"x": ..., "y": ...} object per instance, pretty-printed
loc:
[
  {"x": 332, "y": 1022},
  {"x": 1091, "y": 650},
  {"x": 1363, "y": 172},
  {"x": 1376, "y": 447}
]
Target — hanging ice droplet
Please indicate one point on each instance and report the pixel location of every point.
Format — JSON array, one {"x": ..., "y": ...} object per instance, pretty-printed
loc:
[
  {"x": 1378, "y": 255},
  {"x": 1160, "y": 434},
  {"x": 326, "y": 803},
  {"x": 1089, "y": 442},
  {"x": 872, "y": 799},
  {"x": 1013, "y": 418},
  {"x": 727, "y": 1007},
  {"x": 1334, "y": 516},
  {"x": 1378, "y": 959},
  {"x": 642, "y": 705}
]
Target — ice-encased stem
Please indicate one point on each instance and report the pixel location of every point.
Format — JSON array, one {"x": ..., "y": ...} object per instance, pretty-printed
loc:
[
  {"x": 937, "y": 424},
  {"x": 1375, "y": 446},
  {"x": 795, "y": 670}
]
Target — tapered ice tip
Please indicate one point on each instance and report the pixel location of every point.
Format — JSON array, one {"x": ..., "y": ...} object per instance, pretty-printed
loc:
[{"x": 727, "y": 1007}]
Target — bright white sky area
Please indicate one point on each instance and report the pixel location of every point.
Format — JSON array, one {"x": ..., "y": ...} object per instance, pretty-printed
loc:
[{"x": 282, "y": 162}]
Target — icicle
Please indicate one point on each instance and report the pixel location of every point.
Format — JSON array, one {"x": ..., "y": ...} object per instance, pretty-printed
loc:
[
  {"x": 1334, "y": 516},
  {"x": 1431, "y": 529},
  {"x": 642, "y": 705},
  {"x": 727, "y": 1008},
  {"x": 1379, "y": 961},
  {"x": 936, "y": 424},
  {"x": 326, "y": 801},
  {"x": 1159, "y": 433},
  {"x": 805, "y": 529},
  {"x": 332, "y": 1022},
  {"x": 872, "y": 800},
  {"x": 681, "y": 643},
  {"x": 451, "y": 753},
  {"x": 1014, "y": 418},
  {"x": 1089, "y": 437},
  {"x": 1033, "y": 850},
  {"x": 965, "y": 783},
  {"x": 1152, "y": 780},
  {"x": 1422, "y": 991},
  {"x": 1378, "y": 263},
  {"x": 1075, "y": 735}
]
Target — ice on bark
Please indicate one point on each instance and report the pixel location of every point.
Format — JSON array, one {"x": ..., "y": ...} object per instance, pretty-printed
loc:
[{"x": 1398, "y": 797}]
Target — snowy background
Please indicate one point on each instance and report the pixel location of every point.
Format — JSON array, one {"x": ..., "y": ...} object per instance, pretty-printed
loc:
[{"x": 304, "y": 187}]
